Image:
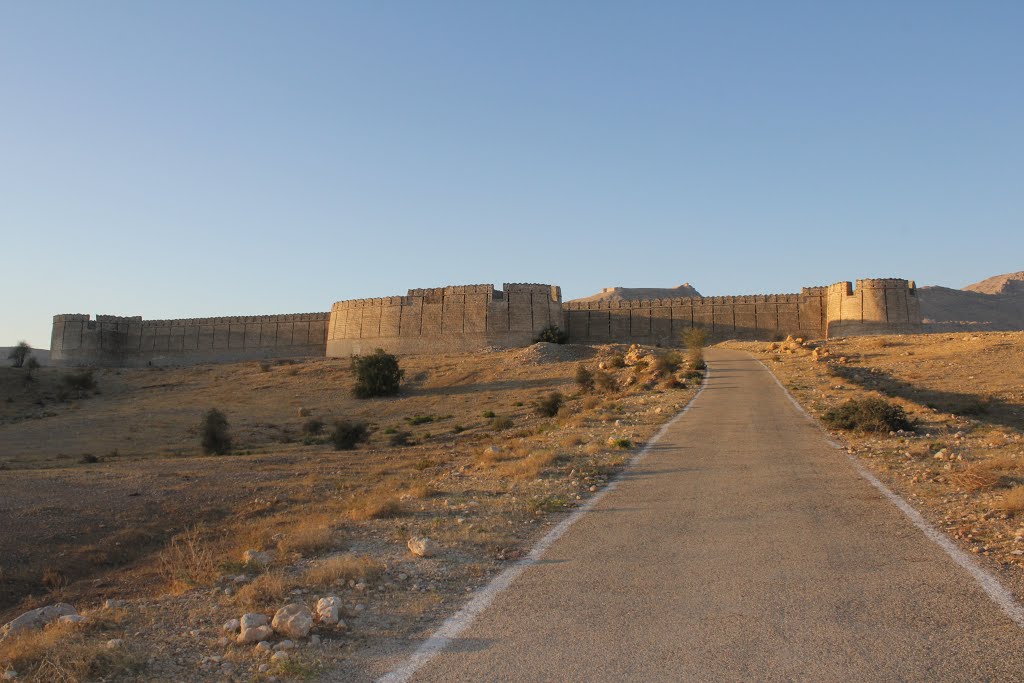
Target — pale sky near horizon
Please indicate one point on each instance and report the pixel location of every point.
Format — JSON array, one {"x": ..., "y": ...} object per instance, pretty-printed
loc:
[{"x": 192, "y": 159}]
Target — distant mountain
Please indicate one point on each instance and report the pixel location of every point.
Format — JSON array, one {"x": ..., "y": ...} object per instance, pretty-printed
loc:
[
  {"x": 1010, "y": 283},
  {"x": 639, "y": 293},
  {"x": 997, "y": 303}
]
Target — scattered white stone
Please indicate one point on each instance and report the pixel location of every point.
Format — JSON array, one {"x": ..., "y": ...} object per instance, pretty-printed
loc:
[
  {"x": 314, "y": 639},
  {"x": 263, "y": 646},
  {"x": 264, "y": 668},
  {"x": 254, "y": 634},
  {"x": 279, "y": 656},
  {"x": 72, "y": 619},
  {"x": 36, "y": 619},
  {"x": 232, "y": 626},
  {"x": 115, "y": 643},
  {"x": 327, "y": 609},
  {"x": 223, "y": 641},
  {"x": 293, "y": 620},
  {"x": 9, "y": 675},
  {"x": 252, "y": 619},
  {"x": 422, "y": 546},
  {"x": 285, "y": 645},
  {"x": 114, "y": 604}
]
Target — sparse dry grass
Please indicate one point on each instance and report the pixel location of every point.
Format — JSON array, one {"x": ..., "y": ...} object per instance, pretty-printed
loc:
[
  {"x": 309, "y": 536},
  {"x": 378, "y": 505},
  {"x": 265, "y": 591},
  {"x": 66, "y": 653},
  {"x": 331, "y": 570},
  {"x": 529, "y": 467},
  {"x": 985, "y": 475},
  {"x": 1013, "y": 501},
  {"x": 187, "y": 562}
]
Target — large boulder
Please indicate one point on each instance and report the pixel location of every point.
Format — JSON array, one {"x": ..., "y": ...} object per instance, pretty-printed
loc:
[
  {"x": 293, "y": 621},
  {"x": 253, "y": 628},
  {"x": 36, "y": 619},
  {"x": 422, "y": 546}
]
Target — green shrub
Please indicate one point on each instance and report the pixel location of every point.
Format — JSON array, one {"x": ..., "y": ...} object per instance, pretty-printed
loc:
[
  {"x": 313, "y": 426},
  {"x": 695, "y": 337},
  {"x": 869, "y": 415},
  {"x": 488, "y": 414},
  {"x": 216, "y": 439},
  {"x": 549, "y": 405},
  {"x": 553, "y": 335},
  {"x": 622, "y": 443},
  {"x": 346, "y": 434},
  {"x": 377, "y": 374},
  {"x": 584, "y": 378},
  {"x": 419, "y": 419}
]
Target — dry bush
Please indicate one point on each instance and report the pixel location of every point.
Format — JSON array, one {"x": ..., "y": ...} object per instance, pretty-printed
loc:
[
  {"x": 376, "y": 506},
  {"x": 572, "y": 441},
  {"x": 1013, "y": 501},
  {"x": 985, "y": 474},
  {"x": 606, "y": 381},
  {"x": 347, "y": 567},
  {"x": 418, "y": 491},
  {"x": 64, "y": 653},
  {"x": 265, "y": 591},
  {"x": 311, "y": 535},
  {"x": 492, "y": 455},
  {"x": 593, "y": 448},
  {"x": 187, "y": 561},
  {"x": 529, "y": 467},
  {"x": 591, "y": 402}
]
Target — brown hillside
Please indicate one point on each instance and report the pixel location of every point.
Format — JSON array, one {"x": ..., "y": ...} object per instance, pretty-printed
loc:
[{"x": 997, "y": 302}]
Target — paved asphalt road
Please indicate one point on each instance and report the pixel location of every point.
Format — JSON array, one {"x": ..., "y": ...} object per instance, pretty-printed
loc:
[{"x": 743, "y": 548}]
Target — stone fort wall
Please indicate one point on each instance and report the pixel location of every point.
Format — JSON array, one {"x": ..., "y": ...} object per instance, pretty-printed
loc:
[
  {"x": 470, "y": 317},
  {"x": 131, "y": 341},
  {"x": 461, "y": 318}
]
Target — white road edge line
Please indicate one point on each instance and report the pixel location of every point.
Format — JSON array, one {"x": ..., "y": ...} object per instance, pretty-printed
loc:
[
  {"x": 461, "y": 620},
  {"x": 989, "y": 583}
]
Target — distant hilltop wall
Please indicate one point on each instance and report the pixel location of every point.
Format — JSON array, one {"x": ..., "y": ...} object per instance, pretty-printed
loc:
[
  {"x": 457, "y": 318},
  {"x": 471, "y": 317},
  {"x": 131, "y": 341}
]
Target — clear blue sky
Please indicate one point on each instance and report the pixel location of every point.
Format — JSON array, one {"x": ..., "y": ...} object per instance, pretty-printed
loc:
[{"x": 185, "y": 159}]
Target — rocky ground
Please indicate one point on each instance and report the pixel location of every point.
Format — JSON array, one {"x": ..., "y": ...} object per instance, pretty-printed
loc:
[
  {"x": 165, "y": 552},
  {"x": 962, "y": 464}
]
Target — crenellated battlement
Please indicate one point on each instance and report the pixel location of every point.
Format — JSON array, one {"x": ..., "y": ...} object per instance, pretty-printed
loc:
[{"x": 469, "y": 317}]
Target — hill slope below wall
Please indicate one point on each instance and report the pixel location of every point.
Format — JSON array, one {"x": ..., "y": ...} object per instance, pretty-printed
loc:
[{"x": 997, "y": 303}]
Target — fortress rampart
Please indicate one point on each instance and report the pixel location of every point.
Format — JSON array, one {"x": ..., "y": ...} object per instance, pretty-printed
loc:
[
  {"x": 471, "y": 317},
  {"x": 131, "y": 341},
  {"x": 462, "y": 318}
]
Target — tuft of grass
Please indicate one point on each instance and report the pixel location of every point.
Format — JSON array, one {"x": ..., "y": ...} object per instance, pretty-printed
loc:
[
  {"x": 530, "y": 467},
  {"x": 617, "y": 360},
  {"x": 187, "y": 561},
  {"x": 501, "y": 423},
  {"x": 985, "y": 474},
  {"x": 539, "y": 505},
  {"x": 868, "y": 415},
  {"x": 67, "y": 653},
  {"x": 591, "y": 402},
  {"x": 343, "y": 568},
  {"x": 377, "y": 506},
  {"x": 621, "y": 443},
  {"x": 265, "y": 591},
  {"x": 310, "y": 536},
  {"x": 606, "y": 382},
  {"x": 1013, "y": 501},
  {"x": 488, "y": 414},
  {"x": 420, "y": 419},
  {"x": 549, "y": 405}
]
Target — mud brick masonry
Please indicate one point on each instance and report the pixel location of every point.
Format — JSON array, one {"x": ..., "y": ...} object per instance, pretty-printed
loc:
[{"x": 470, "y": 317}]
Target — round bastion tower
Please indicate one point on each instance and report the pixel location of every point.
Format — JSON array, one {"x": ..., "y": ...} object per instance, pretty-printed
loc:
[{"x": 873, "y": 306}]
